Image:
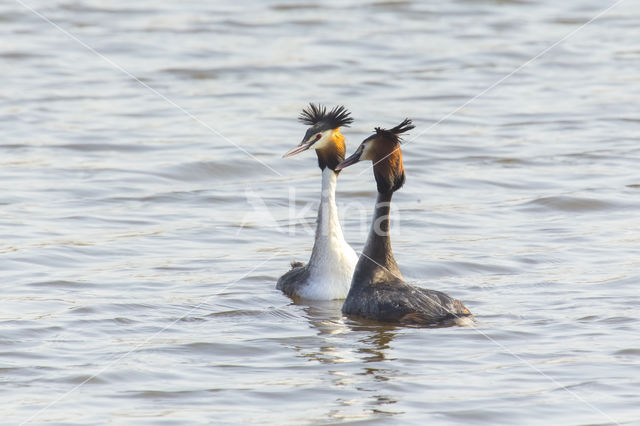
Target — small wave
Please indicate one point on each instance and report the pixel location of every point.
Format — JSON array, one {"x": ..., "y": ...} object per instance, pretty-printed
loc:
[
  {"x": 208, "y": 170},
  {"x": 570, "y": 204},
  {"x": 628, "y": 352},
  {"x": 254, "y": 313},
  {"x": 59, "y": 284}
]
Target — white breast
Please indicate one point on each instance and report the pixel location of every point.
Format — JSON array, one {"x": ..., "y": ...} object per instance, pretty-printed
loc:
[{"x": 332, "y": 260}]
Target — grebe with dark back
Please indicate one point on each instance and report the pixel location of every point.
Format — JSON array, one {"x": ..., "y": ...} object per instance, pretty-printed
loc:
[{"x": 378, "y": 290}]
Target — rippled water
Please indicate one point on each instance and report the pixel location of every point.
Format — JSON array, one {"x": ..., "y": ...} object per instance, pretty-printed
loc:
[{"x": 140, "y": 245}]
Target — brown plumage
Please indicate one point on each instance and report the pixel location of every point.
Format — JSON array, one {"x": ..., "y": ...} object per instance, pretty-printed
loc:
[
  {"x": 386, "y": 155},
  {"x": 332, "y": 154},
  {"x": 388, "y": 168}
]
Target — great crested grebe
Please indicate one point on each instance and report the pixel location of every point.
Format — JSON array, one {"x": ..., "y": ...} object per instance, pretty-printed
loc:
[
  {"x": 328, "y": 274},
  {"x": 378, "y": 290}
]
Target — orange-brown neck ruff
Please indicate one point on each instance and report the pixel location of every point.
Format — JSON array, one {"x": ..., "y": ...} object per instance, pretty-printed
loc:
[
  {"x": 388, "y": 168},
  {"x": 333, "y": 153}
]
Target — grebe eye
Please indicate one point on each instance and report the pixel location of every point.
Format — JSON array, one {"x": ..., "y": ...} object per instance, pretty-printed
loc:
[{"x": 318, "y": 136}]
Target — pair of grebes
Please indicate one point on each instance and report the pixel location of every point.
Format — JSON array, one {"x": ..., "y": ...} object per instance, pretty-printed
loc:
[{"x": 371, "y": 284}]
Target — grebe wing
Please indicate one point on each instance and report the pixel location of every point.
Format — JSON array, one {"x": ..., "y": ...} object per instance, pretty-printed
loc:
[
  {"x": 404, "y": 303},
  {"x": 291, "y": 281}
]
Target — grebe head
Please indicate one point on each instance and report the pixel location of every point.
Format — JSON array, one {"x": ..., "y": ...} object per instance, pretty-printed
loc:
[
  {"x": 324, "y": 134},
  {"x": 383, "y": 149}
]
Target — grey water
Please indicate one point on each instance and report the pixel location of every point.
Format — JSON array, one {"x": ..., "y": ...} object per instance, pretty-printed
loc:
[{"x": 146, "y": 212}]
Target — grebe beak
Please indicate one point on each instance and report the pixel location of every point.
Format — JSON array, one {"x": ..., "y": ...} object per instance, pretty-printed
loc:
[
  {"x": 298, "y": 149},
  {"x": 349, "y": 161}
]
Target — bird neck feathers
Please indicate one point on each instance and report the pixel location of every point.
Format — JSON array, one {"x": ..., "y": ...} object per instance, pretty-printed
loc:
[
  {"x": 333, "y": 153},
  {"x": 389, "y": 171}
]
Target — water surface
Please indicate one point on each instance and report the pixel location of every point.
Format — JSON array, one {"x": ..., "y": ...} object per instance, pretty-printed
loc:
[{"x": 144, "y": 221}]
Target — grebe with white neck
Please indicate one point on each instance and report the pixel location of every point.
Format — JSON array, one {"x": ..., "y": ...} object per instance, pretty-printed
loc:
[
  {"x": 378, "y": 290},
  {"x": 328, "y": 274}
]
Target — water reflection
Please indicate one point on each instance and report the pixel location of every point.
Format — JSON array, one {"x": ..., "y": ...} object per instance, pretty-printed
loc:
[
  {"x": 361, "y": 348},
  {"x": 325, "y": 316},
  {"x": 376, "y": 341}
]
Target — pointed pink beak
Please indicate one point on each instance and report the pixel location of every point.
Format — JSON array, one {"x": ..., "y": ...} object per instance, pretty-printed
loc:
[{"x": 298, "y": 149}]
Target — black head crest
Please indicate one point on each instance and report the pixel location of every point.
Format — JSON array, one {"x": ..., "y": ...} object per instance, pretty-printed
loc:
[
  {"x": 395, "y": 132},
  {"x": 337, "y": 117}
]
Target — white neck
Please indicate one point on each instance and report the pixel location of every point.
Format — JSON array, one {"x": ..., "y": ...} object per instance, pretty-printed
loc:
[
  {"x": 328, "y": 227},
  {"x": 332, "y": 259}
]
